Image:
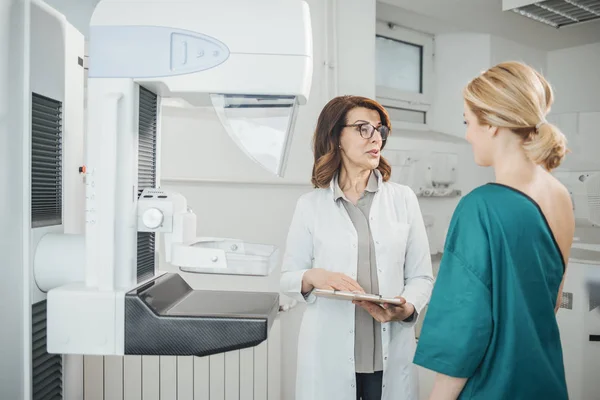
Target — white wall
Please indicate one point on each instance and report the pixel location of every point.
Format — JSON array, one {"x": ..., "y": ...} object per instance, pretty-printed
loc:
[
  {"x": 505, "y": 50},
  {"x": 355, "y": 20},
  {"x": 15, "y": 334},
  {"x": 575, "y": 75},
  {"x": 458, "y": 58},
  {"x": 77, "y": 11}
]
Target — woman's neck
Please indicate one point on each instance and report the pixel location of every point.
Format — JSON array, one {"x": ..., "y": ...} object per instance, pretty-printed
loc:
[
  {"x": 512, "y": 167},
  {"x": 353, "y": 181}
]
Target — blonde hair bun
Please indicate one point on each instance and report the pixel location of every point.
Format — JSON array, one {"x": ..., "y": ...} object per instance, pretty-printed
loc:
[
  {"x": 513, "y": 95},
  {"x": 547, "y": 146}
]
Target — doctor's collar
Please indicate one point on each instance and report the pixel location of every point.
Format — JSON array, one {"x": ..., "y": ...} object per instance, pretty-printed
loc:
[{"x": 372, "y": 185}]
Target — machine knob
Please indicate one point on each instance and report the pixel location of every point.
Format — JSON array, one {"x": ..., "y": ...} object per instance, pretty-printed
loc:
[{"x": 153, "y": 218}]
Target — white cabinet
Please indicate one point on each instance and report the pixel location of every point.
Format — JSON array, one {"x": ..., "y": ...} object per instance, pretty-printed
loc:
[
  {"x": 588, "y": 134},
  {"x": 460, "y": 57}
]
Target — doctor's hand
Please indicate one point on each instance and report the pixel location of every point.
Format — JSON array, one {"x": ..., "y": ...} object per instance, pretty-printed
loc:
[
  {"x": 322, "y": 279},
  {"x": 388, "y": 312}
]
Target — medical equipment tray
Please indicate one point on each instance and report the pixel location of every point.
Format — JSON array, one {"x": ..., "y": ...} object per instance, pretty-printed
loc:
[{"x": 167, "y": 317}]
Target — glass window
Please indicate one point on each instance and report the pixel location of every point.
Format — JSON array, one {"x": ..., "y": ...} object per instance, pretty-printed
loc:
[
  {"x": 399, "y": 65},
  {"x": 261, "y": 126},
  {"x": 403, "y": 115}
]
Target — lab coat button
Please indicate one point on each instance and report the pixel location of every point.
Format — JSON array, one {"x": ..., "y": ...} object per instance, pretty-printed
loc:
[
  {"x": 351, "y": 359},
  {"x": 351, "y": 331},
  {"x": 384, "y": 329},
  {"x": 352, "y": 385}
]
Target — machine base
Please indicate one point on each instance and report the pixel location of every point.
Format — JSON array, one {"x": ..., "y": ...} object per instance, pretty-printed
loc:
[{"x": 167, "y": 317}]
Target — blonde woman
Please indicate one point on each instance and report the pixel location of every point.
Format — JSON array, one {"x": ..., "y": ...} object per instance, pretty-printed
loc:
[{"x": 490, "y": 330}]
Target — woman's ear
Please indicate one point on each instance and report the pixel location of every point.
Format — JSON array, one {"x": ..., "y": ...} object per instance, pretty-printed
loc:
[{"x": 492, "y": 130}]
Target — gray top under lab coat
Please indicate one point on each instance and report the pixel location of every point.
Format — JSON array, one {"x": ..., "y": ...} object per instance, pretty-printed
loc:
[{"x": 367, "y": 348}]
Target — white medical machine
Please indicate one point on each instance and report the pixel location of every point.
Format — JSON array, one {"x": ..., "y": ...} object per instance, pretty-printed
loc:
[
  {"x": 579, "y": 315},
  {"x": 252, "y": 62}
]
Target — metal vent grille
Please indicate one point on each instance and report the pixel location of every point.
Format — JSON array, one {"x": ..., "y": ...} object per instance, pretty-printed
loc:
[
  {"x": 46, "y": 161},
  {"x": 148, "y": 121},
  {"x": 567, "y": 301},
  {"x": 593, "y": 288},
  {"x": 559, "y": 13},
  {"x": 46, "y": 370}
]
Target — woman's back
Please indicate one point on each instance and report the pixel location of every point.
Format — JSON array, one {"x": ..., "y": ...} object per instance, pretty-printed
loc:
[
  {"x": 555, "y": 203},
  {"x": 501, "y": 277}
]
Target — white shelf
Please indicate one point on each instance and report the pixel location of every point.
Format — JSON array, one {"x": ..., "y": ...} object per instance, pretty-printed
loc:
[
  {"x": 227, "y": 257},
  {"x": 428, "y": 135},
  {"x": 438, "y": 193}
]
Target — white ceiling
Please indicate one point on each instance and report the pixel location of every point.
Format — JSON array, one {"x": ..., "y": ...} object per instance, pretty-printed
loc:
[{"x": 484, "y": 16}]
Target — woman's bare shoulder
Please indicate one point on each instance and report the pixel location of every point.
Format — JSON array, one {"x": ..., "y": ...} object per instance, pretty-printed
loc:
[{"x": 557, "y": 206}]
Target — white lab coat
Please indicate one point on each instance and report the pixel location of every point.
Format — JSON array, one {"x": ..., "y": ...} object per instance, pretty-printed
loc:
[{"x": 321, "y": 235}]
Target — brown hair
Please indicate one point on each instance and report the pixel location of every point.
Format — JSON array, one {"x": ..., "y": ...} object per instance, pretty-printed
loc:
[
  {"x": 515, "y": 96},
  {"x": 326, "y": 139}
]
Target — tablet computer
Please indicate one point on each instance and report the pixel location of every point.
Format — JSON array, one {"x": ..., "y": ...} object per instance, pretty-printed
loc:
[{"x": 341, "y": 295}]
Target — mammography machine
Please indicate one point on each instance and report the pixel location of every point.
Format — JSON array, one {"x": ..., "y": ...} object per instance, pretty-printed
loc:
[{"x": 104, "y": 295}]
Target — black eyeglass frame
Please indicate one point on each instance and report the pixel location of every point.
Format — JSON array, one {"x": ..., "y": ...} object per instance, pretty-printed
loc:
[{"x": 384, "y": 136}]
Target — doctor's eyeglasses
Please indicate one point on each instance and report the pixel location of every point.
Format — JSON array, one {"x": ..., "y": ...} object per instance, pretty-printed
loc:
[{"x": 367, "y": 130}]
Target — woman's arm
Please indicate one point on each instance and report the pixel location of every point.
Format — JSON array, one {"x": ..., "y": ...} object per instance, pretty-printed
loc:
[{"x": 447, "y": 387}]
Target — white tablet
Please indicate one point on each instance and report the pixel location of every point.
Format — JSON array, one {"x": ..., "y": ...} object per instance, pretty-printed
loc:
[{"x": 341, "y": 295}]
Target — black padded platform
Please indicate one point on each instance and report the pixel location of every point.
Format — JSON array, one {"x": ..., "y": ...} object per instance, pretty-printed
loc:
[{"x": 167, "y": 317}]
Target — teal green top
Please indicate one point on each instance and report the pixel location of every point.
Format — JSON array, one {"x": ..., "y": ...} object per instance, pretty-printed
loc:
[{"x": 491, "y": 315}]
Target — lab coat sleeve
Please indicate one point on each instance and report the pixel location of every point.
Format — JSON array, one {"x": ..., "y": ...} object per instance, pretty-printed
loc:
[
  {"x": 297, "y": 258},
  {"x": 418, "y": 275}
]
